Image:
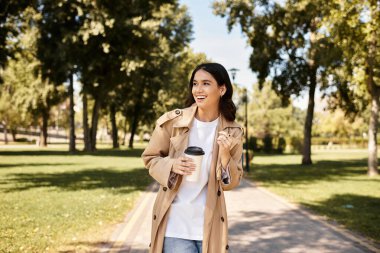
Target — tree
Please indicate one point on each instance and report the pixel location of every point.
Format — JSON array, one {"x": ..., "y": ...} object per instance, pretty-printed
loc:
[
  {"x": 173, "y": 92},
  {"x": 354, "y": 27},
  {"x": 109, "y": 64},
  {"x": 9, "y": 117},
  {"x": 9, "y": 14},
  {"x": 268, "y": 116},
  {"x": 168, "y": 35},
  {"x": 337, "y": 124},
  {"x": 287, "y": 46},
  {"x": 23, "y": 80},
  {"x": 58, "y": 49}
]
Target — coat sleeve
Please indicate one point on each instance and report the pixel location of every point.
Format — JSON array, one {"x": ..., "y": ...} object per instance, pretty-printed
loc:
[
  {"x": 156, "y": 156},
  {"x": 234, "y": 167}
]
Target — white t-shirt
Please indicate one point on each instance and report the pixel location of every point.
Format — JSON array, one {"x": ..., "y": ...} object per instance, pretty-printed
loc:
[{"x": 186, "y": 214}]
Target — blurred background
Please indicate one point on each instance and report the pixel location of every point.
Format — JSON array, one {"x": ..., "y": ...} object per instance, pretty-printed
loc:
[{"x": 90, "y": 76}]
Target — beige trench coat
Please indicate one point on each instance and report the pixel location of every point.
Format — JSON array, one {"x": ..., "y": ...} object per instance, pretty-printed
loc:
[{"x": 168, "y": 142}]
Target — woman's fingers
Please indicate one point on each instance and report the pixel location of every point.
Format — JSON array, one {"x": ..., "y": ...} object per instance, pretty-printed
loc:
[
  {"x": 187, "y": 162},
  {"x": 183, "y": 166},
  {"x": 222, "y": 133},
  {"x": 224, "y": 140},
  {"x": 224, "y": 144}
]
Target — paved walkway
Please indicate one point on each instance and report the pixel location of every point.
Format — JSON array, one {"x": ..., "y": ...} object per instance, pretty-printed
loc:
[{"x": 259, "y": 221}]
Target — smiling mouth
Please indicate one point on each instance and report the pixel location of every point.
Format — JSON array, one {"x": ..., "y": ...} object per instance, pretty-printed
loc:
[{"x": 200, "y": 98}]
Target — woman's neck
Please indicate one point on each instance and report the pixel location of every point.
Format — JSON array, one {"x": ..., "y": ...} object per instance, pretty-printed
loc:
[{"x": 207, "y": 115}]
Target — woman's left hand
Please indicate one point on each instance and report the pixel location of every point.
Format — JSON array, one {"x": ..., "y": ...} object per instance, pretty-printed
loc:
[{"x": 224, "y": 141}]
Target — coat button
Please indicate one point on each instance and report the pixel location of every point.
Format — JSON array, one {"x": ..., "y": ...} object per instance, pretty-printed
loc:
[
  {"x": 178, "y": 112},
  {"x": 154, "y": 217},
  {"x": 227, "y": 247},
  {"x": 165, "y": 189},
  {"x": 222, "y": 219},
  {"x": 219, "y": 193}
]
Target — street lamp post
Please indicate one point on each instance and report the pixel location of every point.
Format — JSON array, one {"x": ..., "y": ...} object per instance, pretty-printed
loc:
[{"x": 245, "y": 100}]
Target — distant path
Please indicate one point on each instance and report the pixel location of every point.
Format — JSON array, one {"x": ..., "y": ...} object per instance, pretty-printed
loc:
[
  {"x": 259, "y": 221},
  {"x": 21, "y": 146}
]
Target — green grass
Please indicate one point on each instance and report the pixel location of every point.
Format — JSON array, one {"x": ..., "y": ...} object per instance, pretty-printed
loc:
[
  {"x": 51, "y": 201},
  {"x": 335, "y": 186}
]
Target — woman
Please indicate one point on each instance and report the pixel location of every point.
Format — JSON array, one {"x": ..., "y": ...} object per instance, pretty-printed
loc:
[{"x": 191, "y": 216}]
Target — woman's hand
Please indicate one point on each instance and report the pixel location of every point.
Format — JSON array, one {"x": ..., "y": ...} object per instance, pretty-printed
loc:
[
  {"x": 224, "y": 141},
  {"x": 183, "y": 165}
]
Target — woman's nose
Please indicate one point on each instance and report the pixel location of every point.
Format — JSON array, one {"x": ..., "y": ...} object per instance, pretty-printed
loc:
[{"x": 198, "y": 88}]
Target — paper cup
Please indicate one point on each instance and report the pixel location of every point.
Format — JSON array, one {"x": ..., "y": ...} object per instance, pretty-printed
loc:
[{"x": 196, "y": 153}]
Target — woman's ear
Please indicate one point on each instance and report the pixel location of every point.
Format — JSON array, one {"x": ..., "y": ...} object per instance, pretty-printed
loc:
[{"x": 222, "y": 90}]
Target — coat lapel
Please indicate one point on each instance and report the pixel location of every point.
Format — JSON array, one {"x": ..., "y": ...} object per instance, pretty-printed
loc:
[
  {"x": 180, "y": 136},
  {"x": 212, "y": 186}
]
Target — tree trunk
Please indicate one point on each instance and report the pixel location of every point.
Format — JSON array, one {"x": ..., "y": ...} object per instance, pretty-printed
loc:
[
  {"x": 115, "y": 141},
  {"x": 124, "y": 130},
  {"x": 135, "y": 121},
  {"x": 306, "y": 154},
  {"x": 5, "y": 132},
  {"x": 94, "y": 124},
  {"x": 372, "y": 133},
  {"x": 86, "y": 131},
  {"x": 72, "y": 115},
  {"x": 373, "y": 121},
  {"x": 374, "y": 90},
  {"x": 44, "y": 128},
  {"x": 14, "y": 133}
]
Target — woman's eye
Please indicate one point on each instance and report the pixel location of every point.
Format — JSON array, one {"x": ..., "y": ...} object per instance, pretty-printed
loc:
[
  {"x": 206, "y": 84},
  {"x": 194, "y": 84}
]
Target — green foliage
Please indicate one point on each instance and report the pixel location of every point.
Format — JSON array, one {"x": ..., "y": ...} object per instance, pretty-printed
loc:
[
  {"x": 173, "y": 93},
  {"x": 268, "y": 143},
  {"x": 281, "y": 145},
  {"x": 25, "y": 94},
  {"x": 271, "y": 126},
  {"x": 266, "y": 114},
  {"x": 336, "y": 124},
  {"x": 353, "y": 26},
  {"x": 288, "y": 48},
  {"x": 123, "y": 53},
  {"x": 10, "y": 12},
  {"x": 286, "y": 43}
]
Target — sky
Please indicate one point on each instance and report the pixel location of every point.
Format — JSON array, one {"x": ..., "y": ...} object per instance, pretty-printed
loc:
[
  {"x": 230, "y": 49},
  {"x": 211, "y": 37}
]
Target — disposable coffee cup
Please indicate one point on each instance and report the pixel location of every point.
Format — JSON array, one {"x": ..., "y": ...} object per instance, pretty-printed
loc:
[{"x": 196, "y": 153}]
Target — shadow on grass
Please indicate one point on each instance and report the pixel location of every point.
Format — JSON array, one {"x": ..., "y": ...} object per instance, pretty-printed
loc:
[
  {"x": 320, "y": 170},
  {"x": 360, "y": 213},
  {"x": 103, "y": 152},
  {"x": 98, "y": 178},
  {"x": 13, "y": 165}
]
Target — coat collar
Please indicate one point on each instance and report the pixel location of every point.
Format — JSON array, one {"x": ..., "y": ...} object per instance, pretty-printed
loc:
[{"x": 188, "y": 115}]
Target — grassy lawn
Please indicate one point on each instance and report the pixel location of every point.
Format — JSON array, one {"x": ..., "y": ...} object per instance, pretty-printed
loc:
[
  {"x": 51, "y": 201},
  {"x": 335, "y": 186}
]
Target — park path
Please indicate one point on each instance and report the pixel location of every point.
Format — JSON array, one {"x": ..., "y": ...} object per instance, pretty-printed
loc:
[{"x": 259, "y": 221}]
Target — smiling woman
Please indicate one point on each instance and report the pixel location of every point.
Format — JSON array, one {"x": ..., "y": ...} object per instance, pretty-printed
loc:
[
  {"x": 211, "y": 81},
  {"x": 190, "y": 216}
]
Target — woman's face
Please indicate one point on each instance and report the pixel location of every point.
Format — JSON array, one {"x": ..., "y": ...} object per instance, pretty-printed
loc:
[{"x": 206, "y": 91}]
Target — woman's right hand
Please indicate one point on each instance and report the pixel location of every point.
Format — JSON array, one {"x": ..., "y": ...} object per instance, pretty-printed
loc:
[{"x": 183, "y": 166}]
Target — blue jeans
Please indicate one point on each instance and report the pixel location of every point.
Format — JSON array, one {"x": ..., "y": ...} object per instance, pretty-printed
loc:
[{"x": 178, "y": 245}]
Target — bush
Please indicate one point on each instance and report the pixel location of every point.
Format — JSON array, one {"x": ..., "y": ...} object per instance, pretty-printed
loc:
[
  {"x": 252, "y": 144},
  {"x": 268, "y": 143},
  {"x": 281, "y": 145},
  {"x": 296, "y": 145},
  {"x": 21, "y": 140}
]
